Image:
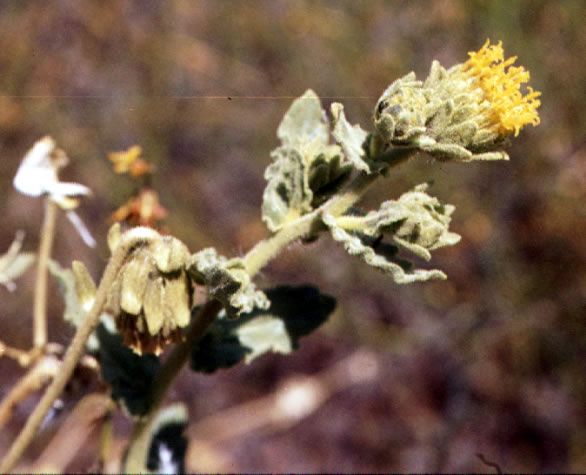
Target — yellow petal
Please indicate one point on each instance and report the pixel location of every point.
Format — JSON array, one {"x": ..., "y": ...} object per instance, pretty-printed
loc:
[
  {"x": 135, "y": 276},
  {"x": 155, "y": 311},
  {"x": 177, "y": 296}
]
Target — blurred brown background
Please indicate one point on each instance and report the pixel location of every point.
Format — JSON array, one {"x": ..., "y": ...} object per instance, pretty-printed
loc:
[{"x": 490, "y": 362}]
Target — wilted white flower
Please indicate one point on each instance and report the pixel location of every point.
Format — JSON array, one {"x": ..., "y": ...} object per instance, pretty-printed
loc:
[{"x": 37, "y": 175}]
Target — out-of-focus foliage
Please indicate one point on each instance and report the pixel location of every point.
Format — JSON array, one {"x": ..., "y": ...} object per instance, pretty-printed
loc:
[
  {"x": 14, "y": 263},
  {"x": 490, "y": 361}
]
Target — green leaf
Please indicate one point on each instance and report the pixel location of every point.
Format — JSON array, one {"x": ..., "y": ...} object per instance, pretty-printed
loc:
[
  {"x": 131, "y": 376},
  {"x": 73, "y": 312},
  {"x": 294, "y": 312},
  {"x": 227, "y": 281},
  {"x": 350, "y": 137},
  {"x": 416, "y": 222},
  {"x": 357, "y": 247},
  {"x": 168, "y": 443}
]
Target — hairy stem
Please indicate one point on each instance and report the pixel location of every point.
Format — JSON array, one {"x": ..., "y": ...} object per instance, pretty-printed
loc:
[
  {"x": 266, "y": 250},
  {"x": 40, "y": 298},
  {"x": 76, "y": 349},
  {"x": 259, "y": 256}
]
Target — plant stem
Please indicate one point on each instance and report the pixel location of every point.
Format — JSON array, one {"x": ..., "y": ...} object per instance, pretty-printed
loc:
[
  {"x": 40, "y": 298},
  {"x": 77, "y": 347}
]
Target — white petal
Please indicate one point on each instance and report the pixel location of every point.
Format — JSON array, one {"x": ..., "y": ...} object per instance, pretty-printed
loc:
[
  {"x": 34, "y": 181},
  {"x": 62, "y": 189},
  {"x": 36, "y": 171},
  {"x": 81, "y": 228}
]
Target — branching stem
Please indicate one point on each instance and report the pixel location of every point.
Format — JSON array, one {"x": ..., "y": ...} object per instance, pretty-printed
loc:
[{"x": 259, "y": 256}]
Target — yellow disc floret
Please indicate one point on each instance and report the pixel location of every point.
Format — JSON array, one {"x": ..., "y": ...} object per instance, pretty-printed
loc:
[{"x": 501, "y": 84}]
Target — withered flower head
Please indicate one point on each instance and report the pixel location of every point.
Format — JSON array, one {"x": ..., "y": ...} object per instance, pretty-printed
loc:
[
  {"x": 144, "y": 209},
  {"x": 151, "y": 297}
]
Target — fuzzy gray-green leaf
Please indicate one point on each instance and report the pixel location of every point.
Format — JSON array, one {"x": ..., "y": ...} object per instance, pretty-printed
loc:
[
  {"x": 416, "y": 222},
  {"x": 357, "y": 247},
  {"x": 306, "y": 169},
  {"x": 304, "y": 122},
  {"x": 287, "y": 194}
]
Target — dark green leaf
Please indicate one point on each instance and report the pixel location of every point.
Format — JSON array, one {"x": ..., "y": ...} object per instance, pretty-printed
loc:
[
  {"x": 217, "y": 349},
  {"x": 168, "y": 444},
  {"x": 131, "y": 376},
  {"x": 294, "y": 312}
]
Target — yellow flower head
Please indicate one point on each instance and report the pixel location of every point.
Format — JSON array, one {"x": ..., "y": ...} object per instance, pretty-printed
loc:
[
  {"x": 462, "y": 113},
  {"x": 501, "y": 84}
]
